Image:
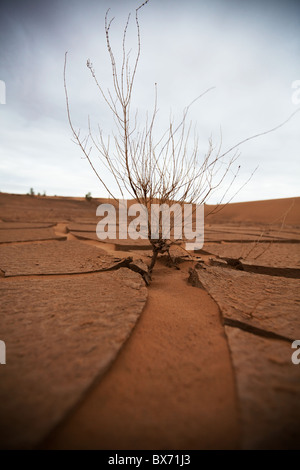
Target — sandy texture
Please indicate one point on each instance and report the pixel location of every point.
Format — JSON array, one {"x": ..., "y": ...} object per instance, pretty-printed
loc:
[
  {"x": 265, "y": 302},
  {"x": 273, "y": 211},
  {"x": 74, "y": 377},
  {"x": 281, "y": 255},
  {"x": 22, "y": 225},
  {"x": 269, "y": 233},
  {"x": 258, "y": 308},
  {"x": 73, "y": 227},
  {"x": 61, "y": 334},
  {"x": 54, "y": 257},
  {"x": 20, "y": 208},
  {"x": 118, "y": 244},
  {"x": 28, "y": 234},
  {"x": 269, "y": 389},
  {"x": 171, "y": 388},
  {"x": 210, "y": 235}
]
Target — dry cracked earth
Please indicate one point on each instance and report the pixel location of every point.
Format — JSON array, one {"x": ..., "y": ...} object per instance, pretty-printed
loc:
[{"x": 69, "y": 304}]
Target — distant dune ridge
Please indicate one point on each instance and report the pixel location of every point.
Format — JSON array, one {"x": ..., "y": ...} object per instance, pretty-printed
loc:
[
  {"x": 19, "y": 207},
  {"x": 272, "y": 211}
]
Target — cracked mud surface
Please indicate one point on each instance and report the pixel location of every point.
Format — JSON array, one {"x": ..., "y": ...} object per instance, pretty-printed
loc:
[
  {"x": 55, "y": 353},
  {"x": 269, "y": 387},
  {"x": 171, "y": 387},
  {"x": 273, "y": 255},
  {"x": 271, "y": 304},
  {"x": 54, "y": 257},
  {"x": 92, "y": 364},
  {"x": 261, "y": 315}
]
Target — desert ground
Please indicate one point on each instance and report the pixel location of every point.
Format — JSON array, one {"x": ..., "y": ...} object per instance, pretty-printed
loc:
[{"x": 199, "y": 359}]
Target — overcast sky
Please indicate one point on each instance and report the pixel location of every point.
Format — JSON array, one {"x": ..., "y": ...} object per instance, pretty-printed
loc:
[{"x": 248, "y": 51}]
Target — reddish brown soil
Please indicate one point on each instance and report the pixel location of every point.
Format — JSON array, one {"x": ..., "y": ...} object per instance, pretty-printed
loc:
[{"x": 176, "y": 382}]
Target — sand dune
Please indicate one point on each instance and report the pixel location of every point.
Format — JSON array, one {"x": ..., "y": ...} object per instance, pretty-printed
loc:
[{"x": 272, "y": 212}]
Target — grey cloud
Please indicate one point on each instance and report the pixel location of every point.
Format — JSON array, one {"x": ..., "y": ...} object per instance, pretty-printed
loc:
[{"x": 249, "y": 51}]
